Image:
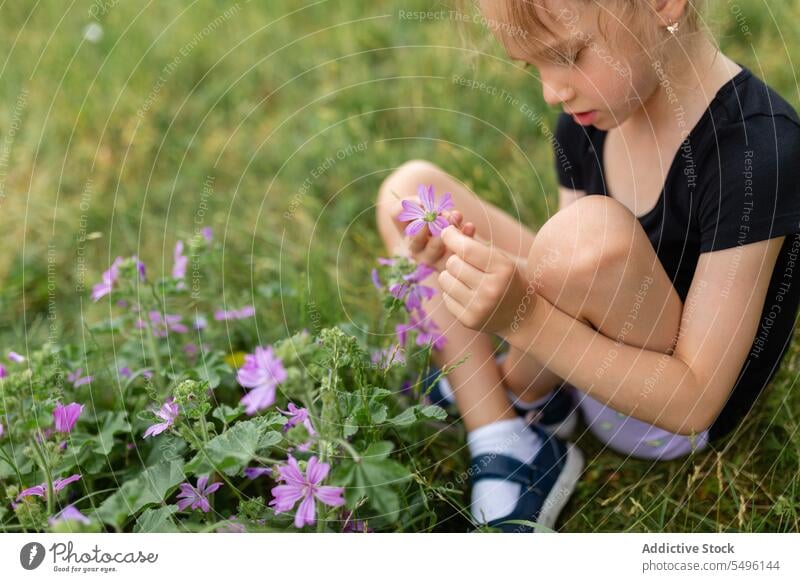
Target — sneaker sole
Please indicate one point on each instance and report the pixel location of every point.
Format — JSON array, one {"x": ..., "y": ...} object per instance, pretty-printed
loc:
[{"x": 563, "y": 488}]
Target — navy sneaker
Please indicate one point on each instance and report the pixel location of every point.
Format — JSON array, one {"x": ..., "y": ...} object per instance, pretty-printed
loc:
[
  {"x": 558, "y": 415},
  {"x": 547, "y": 482}
]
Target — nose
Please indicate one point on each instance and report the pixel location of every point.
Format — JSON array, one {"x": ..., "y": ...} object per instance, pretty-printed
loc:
[{"x": 554, "y": 90}]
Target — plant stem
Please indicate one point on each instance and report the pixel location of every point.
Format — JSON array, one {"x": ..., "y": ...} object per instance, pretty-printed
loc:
[{"x": 48, "y": 476}]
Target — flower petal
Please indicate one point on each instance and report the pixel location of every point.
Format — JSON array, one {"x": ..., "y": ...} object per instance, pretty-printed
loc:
[
  {"x": 438, "y": 225},
  {"x": 284, "y": 497},
  {"x": 414, "y": 227},
  {"x": 329, "y": 495},
  {"x": 305, "y": 512},
  {"x": 427, "y": 197}
]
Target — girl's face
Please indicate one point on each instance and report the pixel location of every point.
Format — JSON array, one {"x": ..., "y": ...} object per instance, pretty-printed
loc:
[{"x": 583, "y": 74}]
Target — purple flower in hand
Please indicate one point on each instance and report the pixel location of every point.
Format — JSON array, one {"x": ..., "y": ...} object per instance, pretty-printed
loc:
[
  {"x": 69, "y": 513},
  {"x": 65, "y": 417},
  {"x": 168, "y": 413},
  {"x": 307, "y": 488},
  {"x": 427, "y": 213},
  {"x": 197, "y": 497},
  {"x": 262, "y": 371}
]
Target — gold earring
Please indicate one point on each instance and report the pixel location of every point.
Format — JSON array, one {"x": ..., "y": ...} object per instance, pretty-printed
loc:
[{"x": 673, "y": 28}]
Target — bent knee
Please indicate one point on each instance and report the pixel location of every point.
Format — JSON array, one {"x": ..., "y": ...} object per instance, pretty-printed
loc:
[
  {"x": 413, "y": 172},
  {"x": 590, "y": 235}
]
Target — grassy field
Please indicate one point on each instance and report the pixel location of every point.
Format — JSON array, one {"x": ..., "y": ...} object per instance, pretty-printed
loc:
[{"x": 274, "y": 123}]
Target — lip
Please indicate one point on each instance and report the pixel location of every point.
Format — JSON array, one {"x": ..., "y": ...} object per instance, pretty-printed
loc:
[{"x": 585, "y": 117}]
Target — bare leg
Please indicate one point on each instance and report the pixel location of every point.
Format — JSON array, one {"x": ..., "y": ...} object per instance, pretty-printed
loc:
[{"x": 477, "y": 385}]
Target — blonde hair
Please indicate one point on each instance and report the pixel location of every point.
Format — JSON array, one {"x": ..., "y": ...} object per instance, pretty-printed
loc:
[{"x": 524, "y": 18}]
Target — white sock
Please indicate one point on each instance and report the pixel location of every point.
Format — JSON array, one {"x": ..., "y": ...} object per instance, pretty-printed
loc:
[{"x": 494, "y": 498}]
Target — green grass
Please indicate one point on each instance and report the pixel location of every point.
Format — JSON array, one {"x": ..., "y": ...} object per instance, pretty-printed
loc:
[{"x": 259, "y": 100}]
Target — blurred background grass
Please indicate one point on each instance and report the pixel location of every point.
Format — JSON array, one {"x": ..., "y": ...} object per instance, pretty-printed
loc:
[{"x": 126, "y": 125}]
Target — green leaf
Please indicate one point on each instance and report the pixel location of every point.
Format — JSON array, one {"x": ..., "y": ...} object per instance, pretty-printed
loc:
[
  {"x": 158, "y": 520},
  {"x": 375, "y": 477},
  {"x": 418, "y": 413},
  {"x": 226, "y": 413},
  {"x": 152, "y": 486},
  {"x": 231, "y": 451}
]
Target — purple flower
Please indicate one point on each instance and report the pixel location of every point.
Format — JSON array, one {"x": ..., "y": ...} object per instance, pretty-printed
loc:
[
  {"x": 112, "y": 275},
  {"x": 65, "y": 417},
  {"x": 297, "y": 416},
  {"x": 208, "y": 234},
  {"x": 180, "y": 261},
  {"x": 256, "y": 472},
  {"x": 306, "y": 488},
  {"x": 411, "y": 290},
  {"x": 125, "y": 372},
  {"x": 78, "y": 380},
  {"x": 426, "y": 328},
  {"x": 3, "y": 371},
  {"x": 387, "y": 356},
  {"x": 162, "y": 325},
  {"x": 233, "y": 525},
  {"x": 376, "y": 280},
  {"x": 41, "y": 490},
  {"x": 168, "y": 413},
  {"x": 197, "y": 497},
  {"x": 200, "y": 322},
  {"x": 1, "y": 429},
  {"x": 353, "y": 525},
  {"x": 15, "y": 357},
  {"x": 262, "y": 371},
  {"x": 69, "y": 513},
  {"x": 243, "y": 313},
  {"x": 109, "y": 277},
  {"x": 427, "y": 213}
]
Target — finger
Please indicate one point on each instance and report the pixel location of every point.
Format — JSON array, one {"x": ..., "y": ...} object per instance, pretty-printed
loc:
[
  {"x": 464, "y": 272},
  {"x": 455, "y": 217},
  {"x": 435, "y": 248},
  {"x": 419, "y": 240},
  {"x": 452, "y": 305},
  {"x": 468, "y": 229},
  {"x": 455, "y": 288},
  {"x": 467, "y": 248}
]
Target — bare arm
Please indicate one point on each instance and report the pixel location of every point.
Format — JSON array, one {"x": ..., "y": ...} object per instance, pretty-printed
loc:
[{"x": 682, "y": 392}]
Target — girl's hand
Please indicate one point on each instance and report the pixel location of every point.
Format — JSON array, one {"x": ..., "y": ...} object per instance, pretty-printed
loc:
[{"x": 482, "y": 286}]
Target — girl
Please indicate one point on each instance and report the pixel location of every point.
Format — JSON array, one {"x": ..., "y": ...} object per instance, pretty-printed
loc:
[{"x": 659, "y": 300}]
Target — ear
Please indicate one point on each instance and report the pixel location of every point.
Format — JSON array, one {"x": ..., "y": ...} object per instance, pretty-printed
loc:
[{"x": 670, "y": 11}]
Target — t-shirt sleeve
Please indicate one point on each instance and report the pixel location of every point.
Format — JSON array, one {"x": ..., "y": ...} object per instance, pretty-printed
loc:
[
  {"x": 751, "y": 190},
  {"x": 569, "y": 143}
]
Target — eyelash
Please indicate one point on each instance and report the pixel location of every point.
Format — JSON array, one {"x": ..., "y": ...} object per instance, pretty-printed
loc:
[{"x": 562, "y": 60}]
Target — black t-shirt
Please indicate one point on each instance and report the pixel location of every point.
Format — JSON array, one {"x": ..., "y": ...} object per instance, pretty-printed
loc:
[{"x": 735, "y": 180}]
